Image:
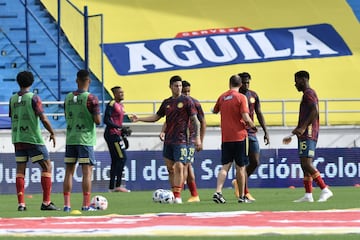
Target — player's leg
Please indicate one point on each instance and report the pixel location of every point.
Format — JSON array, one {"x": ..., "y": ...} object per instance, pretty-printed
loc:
[
  {"x": 192, "y": 184},
  {"x": 218, "y": 197},
  {"x": 86, "y": 185},
  {"x": 241, "y": 178},
  {"x": 40, "y": 155},
  {"x": 178, "y": 180},
  {"x": 87, "y": 161},
  {"x": 71, "y": 156},
  {"x": 254, "y": 160},
  {"x": 112, "y": 151},
  {"x": 21, "y": 160},
  {"x": 241, "y": 161}
]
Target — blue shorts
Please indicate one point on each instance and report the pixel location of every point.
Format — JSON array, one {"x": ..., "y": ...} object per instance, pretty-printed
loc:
[
  {"x": 35, "y": 153},
  {"x": 306, "y": 148},
  {"x": 176, "y": 153},
  {"x": 80, "y": 153},
  {"x": 191, "y": 153},
  {"x": 253, "y": 144},
  {"x": 235, "y": 151}
]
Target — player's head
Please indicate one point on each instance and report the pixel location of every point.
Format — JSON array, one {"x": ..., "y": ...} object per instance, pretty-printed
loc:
[
  {"x": 302, "y": 80},
  {"x": 118, "y": 93},
  {"x": 245, "y": 80},
  {"x": 174, "y": 79},
  {"x": 186, "y": 88},
  {"x": 25, "y": 79},
  {"x": 83, "y": 78},
  {"x": 176, "y": 85},
  {"x": 235, "y": 81},
  {"x": 83, "y": 75}
]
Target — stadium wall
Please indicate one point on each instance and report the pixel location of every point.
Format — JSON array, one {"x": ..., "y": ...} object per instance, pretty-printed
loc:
[{"x": 337, "y": 158}]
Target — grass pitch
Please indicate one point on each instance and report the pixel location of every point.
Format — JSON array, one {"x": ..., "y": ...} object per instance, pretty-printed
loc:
[{"x": 140, "y": 202}]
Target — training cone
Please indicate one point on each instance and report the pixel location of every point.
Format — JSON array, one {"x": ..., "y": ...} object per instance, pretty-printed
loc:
[{"x": 75, "y": 212}]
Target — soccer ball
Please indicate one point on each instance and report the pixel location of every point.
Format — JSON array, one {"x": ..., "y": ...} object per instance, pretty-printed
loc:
[
  {"x": 156, "y": 194},
  {"x": 167, "y": 196},
  {"x": 99, "y": 202}
]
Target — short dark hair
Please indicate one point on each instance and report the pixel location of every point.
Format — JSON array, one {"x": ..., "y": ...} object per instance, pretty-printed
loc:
[
  {"x": 82, "y": 74},
  {"x": 115, "y": 88},
  {"x": 186, "y": 84},
  {"x": 302, "y": 74},
  {"x": 175, "y": 79},
  {"x": 245, "y": 75},
  {"x": 235, "y": 81},
  {"x": 25, "y": 79}
]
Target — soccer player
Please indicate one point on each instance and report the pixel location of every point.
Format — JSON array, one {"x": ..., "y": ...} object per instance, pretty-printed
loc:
[
  {"x": 26, "y": 112},
  {"x": 82, "y": 114},
  {"x": 254, "y": 149},
  {"x": 189, "y": 174},
  {"x": 113, "y": 118},
  {"x": 235, "y": 118},
  {"x": 307, "y": 131},
  {"x": 179, "y": 111}
]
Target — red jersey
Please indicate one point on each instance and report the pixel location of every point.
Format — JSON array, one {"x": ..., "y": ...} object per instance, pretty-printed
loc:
[
  {"x": 308, "y": 101},
  {"x": 231, "y": 105}
]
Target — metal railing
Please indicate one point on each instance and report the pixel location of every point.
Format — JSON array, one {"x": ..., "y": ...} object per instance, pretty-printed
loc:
[{"x": 277, "y": 112}]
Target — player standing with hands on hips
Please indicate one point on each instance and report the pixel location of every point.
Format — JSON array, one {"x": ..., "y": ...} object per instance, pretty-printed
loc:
[{"x": 307, "y": 132}]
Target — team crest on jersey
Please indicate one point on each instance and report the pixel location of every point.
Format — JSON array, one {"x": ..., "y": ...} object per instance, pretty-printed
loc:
[
  {"x": 180, "y": 105},
  {"x": 252, "y": 100}
]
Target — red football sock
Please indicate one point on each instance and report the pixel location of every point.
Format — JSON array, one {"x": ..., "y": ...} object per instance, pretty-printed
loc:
[
  {"x": 318, "y": 180},
  {"x": 86, "y": 199},
  {"x": 308, "y": 184},
  {"x": 193, "y": 189},
  {"x": 177, "y": 191},
  {"x": 20, "y": 190},
  {"x": 46, "y": 186},
  {"x": 67, "y": 199}
]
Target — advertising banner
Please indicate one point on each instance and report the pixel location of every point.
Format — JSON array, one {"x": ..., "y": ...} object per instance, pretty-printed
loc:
[{"x": 145, "y": 170}]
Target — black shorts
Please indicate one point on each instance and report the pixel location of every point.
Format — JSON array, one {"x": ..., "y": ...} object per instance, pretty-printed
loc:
[{"x": 235, "y": 151}]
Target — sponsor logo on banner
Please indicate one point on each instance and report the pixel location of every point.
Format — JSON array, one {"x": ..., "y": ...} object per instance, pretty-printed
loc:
[{"x": 218, "y": 47}]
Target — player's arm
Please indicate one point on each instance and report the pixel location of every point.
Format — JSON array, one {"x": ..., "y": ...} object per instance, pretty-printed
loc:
[
  {"x": 107, "y": 117},
  {"x": 248, "y": 121},
  {"x": 162, "y": 133},
  {"x": 314, "y": 112},
  {"x": 38, "y": 109},
  {"x": 94, "y": 108},
  {"x": 45, "y": 121},
  {"x": 196, "y": 125},
  {"x": 151, "y": 118},
  {"x": 202, "y": 129},
  {"x": 261, "y": 120}
]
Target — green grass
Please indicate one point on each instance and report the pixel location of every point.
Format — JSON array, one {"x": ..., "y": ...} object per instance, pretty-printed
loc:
[{"x": 140, "y": 202}]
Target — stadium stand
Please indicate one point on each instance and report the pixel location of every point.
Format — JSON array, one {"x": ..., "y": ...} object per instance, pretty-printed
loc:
[{"x": 28, "y": 41}]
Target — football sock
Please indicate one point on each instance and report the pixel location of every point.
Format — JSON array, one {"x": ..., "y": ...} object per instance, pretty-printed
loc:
[
  {"x": 308, "y": 184},
  {"x": 177, "y": 191},
  {"x": 318, "y": 180},
  {"x": 46, "y": 186},
  {"x": 193, "y": 189},
  {"x": 86, "y": 199},
  {"x": 20, "y": 182},
  {"x": 67, "y": 199}
]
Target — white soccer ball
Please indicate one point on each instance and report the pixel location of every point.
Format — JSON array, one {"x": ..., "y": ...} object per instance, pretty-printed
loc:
[
  {"x": 99, "y": 202},
  {"x": 167, "y": 196},
  {"x": 156, "y": 195}
]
